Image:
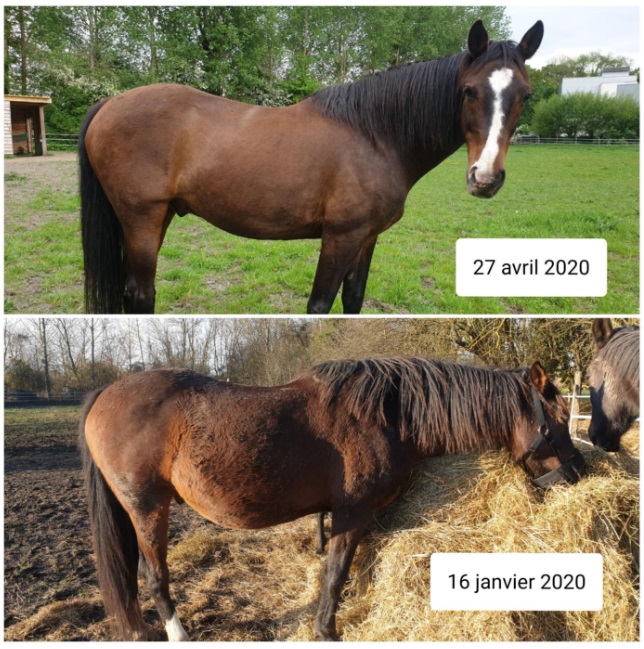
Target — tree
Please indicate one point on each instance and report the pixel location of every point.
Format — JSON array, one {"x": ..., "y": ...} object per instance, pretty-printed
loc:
[
  {"x": 546, "y": 82},
  {"x": 267, "y": 351},
  {"x": 22, "y": 377},
  {"x": 267, "y": 55},
  {"x": 587, "y": 115}
]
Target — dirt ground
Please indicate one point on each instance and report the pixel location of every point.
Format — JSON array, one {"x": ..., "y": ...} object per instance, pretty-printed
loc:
[
  {"x": 48, "y": 556},
  {"x": 44, "y": 172}
]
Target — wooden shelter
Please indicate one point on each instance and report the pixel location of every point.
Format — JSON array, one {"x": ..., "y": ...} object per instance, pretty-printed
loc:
[{"x": 24, "y": 125}]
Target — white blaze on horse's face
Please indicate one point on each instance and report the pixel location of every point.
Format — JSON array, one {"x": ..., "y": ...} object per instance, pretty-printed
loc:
[
  {"x": 486, "y": 175},
  {"x": 484, "y": 167}
]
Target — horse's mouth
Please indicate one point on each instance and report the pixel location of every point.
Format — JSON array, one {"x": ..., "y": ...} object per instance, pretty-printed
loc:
[
  {"x": 485, "y": 189},
  {"x": 571, "y": 471},
  {"x": 607, "y": 442},
  {"x": 611, "y": 446}
]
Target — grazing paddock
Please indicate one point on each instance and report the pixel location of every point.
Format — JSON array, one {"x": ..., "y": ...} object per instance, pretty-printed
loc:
[
  {"x": 236, "y": 585},
  {"x": 550, "y": 191}
]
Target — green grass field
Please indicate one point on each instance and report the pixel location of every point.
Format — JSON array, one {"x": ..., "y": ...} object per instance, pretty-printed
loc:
[
  {"x": 54, "y": 421},
  {"x": 550, "y": 192}
]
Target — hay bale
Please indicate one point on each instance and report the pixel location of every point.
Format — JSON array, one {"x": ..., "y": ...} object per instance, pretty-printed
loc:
[{"x": 499, "y": 512}]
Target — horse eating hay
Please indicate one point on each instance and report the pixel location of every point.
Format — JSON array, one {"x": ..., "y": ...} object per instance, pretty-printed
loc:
[
  {"x": 337, "y": 166},
  {"x": 614, "y": 378},
  {"x": 342, "y": 437}
]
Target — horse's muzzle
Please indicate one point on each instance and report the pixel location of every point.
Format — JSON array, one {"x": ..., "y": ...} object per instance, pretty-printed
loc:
[
  {"x": 609, "y": 443},
  {"x": 571, "y": 471},
  {"x": 484, "y": 186},
  {"x": 610, "y": 446}
]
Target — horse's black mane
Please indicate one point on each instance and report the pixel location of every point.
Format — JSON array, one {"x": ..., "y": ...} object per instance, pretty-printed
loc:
[
  {"x": 440, "y": 405},
  {"x": 415, "y": 106},
  {"x": 621, "y": 354}
]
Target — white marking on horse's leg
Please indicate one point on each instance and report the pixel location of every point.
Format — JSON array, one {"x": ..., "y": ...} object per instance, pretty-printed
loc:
[
  {"x": 174, "y": 629},
  {"x": 499, "y": 81}
]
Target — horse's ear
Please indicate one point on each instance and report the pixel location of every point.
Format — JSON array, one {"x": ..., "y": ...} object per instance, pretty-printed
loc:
[
  {"x": 530, "y": 42},
  {"x": 477, "y": 40},
  {"x": 538, "y": 376},
  {"x": 602, "y": 330}
]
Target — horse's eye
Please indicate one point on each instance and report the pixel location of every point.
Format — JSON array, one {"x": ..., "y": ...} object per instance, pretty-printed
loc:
[
  {"x": 469, "y": 92},
  {"x": 525, "y": 98}
]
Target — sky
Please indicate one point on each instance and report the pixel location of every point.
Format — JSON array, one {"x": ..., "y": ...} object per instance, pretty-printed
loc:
[{"x": 574, "y": 30}]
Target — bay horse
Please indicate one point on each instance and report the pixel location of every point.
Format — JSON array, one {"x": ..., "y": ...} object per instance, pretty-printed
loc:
[
  {"x": 336, "y": 166},
  {"x": 614, "y": 378},
  {"x": 342, "y": 437}
]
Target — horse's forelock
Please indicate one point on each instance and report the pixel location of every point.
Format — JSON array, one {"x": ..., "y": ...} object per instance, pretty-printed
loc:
[{"x": 507, "y": 52}]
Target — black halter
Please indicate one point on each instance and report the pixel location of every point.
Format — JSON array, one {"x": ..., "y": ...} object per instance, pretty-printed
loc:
[{"x": 572, "y": 467}]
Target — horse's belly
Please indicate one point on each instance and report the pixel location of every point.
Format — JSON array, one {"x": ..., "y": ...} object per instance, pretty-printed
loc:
[
  {"x": 227, "y": 510},
  {"x": 232, "y": 494},
  {"x": 266, "y": 226}
]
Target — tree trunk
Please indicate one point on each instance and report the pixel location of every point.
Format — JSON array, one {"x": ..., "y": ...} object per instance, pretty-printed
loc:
[
  {"x": 43, "y": 340},
  {"x": 154, "y": 71},
  {"x": 22, "y": 22}
]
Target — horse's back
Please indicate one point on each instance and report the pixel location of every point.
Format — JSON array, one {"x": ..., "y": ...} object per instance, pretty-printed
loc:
[{"x": 147, "y": 125}]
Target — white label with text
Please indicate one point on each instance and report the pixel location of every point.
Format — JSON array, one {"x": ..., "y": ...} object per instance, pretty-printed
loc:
[
  {"x": 516, "y": 582},
  {"x": 531, "y": 267}
]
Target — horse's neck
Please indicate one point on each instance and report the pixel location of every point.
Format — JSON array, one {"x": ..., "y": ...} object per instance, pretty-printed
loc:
[
  {"x": 436, "y": 121},
  {"x": 418, "y": 164}
]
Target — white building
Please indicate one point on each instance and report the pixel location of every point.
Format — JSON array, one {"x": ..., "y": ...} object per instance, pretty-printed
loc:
[{"x": 613, "y": 82}]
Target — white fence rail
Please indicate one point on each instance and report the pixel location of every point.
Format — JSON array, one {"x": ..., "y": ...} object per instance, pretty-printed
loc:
[
  {"x": 574, "y": 411},
  {"x": 535, "y": 139}
]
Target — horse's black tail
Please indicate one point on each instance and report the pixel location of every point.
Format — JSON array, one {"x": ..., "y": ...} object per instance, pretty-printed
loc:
[
  {"x": 103, "y": 246},
  {"x": 115, "y": 546}
]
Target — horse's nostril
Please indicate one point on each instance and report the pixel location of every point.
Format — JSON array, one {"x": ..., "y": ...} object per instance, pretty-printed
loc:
[
  {"x": 472, "y": 174},
  {"x": 502, "y": 175}
]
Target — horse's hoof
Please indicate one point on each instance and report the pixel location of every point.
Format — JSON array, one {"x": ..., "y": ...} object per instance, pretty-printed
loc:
[{"x": 326, "y": 636}]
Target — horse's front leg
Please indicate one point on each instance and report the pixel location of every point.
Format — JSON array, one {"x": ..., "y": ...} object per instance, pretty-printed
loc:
[
  {"x": 337, "y": 256},
  {"x": 342, "y": 547},
  {"x": 355, "y": 283}
]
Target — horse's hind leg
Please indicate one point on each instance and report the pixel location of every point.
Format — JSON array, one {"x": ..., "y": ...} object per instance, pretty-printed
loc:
[
  {"x": 152, "y": 529},
  {"x": 142, "y": 243},
  {"x": 355, "y": 282}
]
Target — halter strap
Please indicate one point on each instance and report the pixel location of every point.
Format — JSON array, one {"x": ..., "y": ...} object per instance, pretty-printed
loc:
[
  {"x": 543, "y": 432},
  {"x": 570, "y": 469}
]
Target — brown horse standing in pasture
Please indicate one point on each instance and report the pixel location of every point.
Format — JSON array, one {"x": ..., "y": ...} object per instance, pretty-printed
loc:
[
  {"x": 337, "y": 166},
  {"x": 343, "y": 438}
]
